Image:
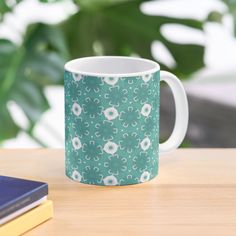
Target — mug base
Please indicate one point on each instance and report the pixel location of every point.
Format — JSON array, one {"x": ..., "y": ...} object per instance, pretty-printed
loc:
[{"x": 113, "y": 185}]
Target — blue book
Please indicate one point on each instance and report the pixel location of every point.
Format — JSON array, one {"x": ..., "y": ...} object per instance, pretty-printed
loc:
[{"x": 16, "y": 194}]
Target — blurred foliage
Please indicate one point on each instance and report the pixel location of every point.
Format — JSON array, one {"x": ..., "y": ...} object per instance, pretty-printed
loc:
[
  {"x": 216, "y": 16},
  {"x": 232, "y": 10},
  {"x": 24, "y": 72},
  {"x": 122, "y": 29},
  {"x": 5, "y": 6},
  {"x": 102, "y": 27}
]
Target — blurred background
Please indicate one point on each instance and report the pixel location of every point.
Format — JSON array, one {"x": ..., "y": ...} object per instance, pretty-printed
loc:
[{"x": 195, "y": 39}]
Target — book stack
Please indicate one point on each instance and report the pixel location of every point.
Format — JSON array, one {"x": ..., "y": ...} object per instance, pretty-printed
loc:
[{"x": 23, "y": 205}]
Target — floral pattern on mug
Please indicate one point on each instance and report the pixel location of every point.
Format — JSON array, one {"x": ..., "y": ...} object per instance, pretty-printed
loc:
[
  {"x": 76, "y": 176},
  {"x": 111, "y": 80},
  {"x": 112, "y": 128},
  {"x": 76, "y": 143},
  {"x": 110, "y": 180},
  {"x": 110, "y": 147},
  {"x": 146, "y": 109},
  {"x": 76, "y": 108},
  {"x": 145, "y": 143},
  {"x": 145, "y": 176},
  {"x": 111, "y": 113}
]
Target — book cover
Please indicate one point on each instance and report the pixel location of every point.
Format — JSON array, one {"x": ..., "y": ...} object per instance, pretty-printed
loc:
[
  {"x": 22, "y": 210},
  {"x": 29, "y": 220},
  {"x": 17, "y": 193}
]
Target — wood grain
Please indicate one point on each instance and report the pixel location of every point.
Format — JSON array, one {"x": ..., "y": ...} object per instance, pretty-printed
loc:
[{"x": 194, "y": 194}]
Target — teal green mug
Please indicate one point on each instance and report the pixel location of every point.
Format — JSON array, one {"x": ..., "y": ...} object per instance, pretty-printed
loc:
[{"x": 112, "y": 119}]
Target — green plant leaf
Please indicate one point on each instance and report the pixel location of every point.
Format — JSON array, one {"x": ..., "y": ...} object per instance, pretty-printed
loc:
[
  {"x": 91, "y": 5},
  {"x": 25, "y": 71},
  {"x": 122, "y": 29},
  {"x": 232, "y": 10},
  {"x": 8, "y": 128},
  {"x": 6, "y": 6}
]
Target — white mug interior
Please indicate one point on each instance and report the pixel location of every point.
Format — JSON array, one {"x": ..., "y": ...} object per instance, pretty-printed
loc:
[{"x": 118, "y": 66}]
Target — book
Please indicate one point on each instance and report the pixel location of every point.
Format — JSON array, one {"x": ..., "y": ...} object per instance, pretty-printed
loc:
[
  {"x": 16, "y": 194},
  {"x": 28, "y": 220},
  {"x": 22, "y": 210}
]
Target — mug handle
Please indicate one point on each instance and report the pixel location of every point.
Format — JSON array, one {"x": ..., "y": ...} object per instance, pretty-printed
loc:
[{"x": 181, "y": 111}]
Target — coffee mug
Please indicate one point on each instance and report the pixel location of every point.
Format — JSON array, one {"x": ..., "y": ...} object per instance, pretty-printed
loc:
[{"x": 112, "y": 119}]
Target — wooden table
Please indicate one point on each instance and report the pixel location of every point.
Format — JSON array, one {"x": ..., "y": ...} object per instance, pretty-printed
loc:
[{"x": 194, "y": 194}]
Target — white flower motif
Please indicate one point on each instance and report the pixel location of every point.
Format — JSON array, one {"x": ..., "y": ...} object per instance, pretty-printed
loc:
[
  {"x": 145, "y": 143},
  {"x": 76, "y": 109},
  {"x": 76, "y": 143},
  {"x": 111, "y": 80},
  {"x": 145, "y": 176},
  {"x": 110, "y": 147},
  {"x": 146, "y": 78},
  {"x": 146, "y": 109},
  {"x": 77, "y": 77},
  {"x": 76, "y": 176},
  {"x": 111, "y": 113},
  {"x": 110, "y": 180}
]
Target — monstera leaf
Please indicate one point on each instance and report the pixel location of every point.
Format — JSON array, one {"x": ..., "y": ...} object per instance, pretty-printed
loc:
[
  {"x": 24, "y": 72},
  {"x": 120, "y": 28},
  {"x": 101, "y": 27}
]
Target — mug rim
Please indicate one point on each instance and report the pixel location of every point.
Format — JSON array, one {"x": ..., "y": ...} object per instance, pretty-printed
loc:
[{"x": 155, "y": 66}]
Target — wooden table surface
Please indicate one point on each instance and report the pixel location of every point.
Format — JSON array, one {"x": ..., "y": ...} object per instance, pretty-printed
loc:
[{"x": 194, "y": 194}]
